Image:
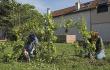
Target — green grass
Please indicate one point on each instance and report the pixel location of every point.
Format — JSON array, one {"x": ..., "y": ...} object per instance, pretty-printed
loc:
[{"x": 67, "y": 61}]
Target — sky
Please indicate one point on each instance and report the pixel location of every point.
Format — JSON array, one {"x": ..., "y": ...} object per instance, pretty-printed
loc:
[{"x": 42, "y": 5}]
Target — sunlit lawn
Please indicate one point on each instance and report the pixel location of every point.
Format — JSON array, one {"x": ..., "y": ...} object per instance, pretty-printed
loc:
[{"x": 67, "y": 62}]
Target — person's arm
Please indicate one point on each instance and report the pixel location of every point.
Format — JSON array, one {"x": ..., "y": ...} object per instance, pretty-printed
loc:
[
  {"x": 101, "y": 44},
  {"x": 36, "y": 39}
]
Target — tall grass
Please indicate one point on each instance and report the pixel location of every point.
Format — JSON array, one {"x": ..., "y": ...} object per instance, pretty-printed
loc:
[{"x": 65, "y": 61}]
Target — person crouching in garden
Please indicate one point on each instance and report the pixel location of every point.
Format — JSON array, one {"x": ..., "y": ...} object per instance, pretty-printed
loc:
[
  {"x": 30, "y": 47},
  {"x": 99, "y": 51}
]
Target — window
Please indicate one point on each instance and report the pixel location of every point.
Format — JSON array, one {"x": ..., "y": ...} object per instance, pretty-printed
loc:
[
  {"x": 102, "y": 8},
  {"x": 103, "y": 1}
]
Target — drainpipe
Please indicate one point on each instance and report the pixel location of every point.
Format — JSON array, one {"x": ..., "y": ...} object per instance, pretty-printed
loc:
[{"x": 90, "y": 21}]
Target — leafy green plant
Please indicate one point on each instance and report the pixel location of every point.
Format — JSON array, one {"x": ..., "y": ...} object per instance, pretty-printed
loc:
[
  {"x": 82, "y": 27},
  {"x": 48, "y": 38},
  {"x": 11, "y": 50},
  {"x": 68, "y": 24}
]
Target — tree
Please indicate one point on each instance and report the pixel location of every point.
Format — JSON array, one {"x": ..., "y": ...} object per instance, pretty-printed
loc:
[
  {"x": 18, "y": 20},
  {"x": 14, "y": 15},
  {"x": 82, "y": 27}
]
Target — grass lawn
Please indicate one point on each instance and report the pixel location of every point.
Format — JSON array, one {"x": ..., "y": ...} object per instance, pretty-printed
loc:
[{"x": 67, "y": 61}]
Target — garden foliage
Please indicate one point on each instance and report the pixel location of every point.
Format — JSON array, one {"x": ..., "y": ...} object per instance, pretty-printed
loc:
[
  {"x": 88, "y": 47},
  {"x": 24, "y": 19}
]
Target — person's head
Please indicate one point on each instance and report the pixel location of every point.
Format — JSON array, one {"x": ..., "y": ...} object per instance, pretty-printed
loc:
[
  {"x": 31, "y": 37},
  {"x": 94, "y": 35}
]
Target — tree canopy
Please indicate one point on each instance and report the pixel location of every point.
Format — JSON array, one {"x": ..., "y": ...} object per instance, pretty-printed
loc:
[{"x": 14, "y": 15}]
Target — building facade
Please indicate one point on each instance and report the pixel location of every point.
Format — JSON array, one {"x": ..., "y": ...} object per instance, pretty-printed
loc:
[{"x": 96, "y": 13}]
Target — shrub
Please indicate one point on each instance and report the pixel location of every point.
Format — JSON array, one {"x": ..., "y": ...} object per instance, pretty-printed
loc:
[
  {"x": 90, "y": 47},
  {"x": 10, "y": 50}
]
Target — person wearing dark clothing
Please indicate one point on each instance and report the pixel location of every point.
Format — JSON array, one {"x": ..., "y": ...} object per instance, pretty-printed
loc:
[
  {"x": 99, "y": 51},
  {"x": 30, "y": 46}
]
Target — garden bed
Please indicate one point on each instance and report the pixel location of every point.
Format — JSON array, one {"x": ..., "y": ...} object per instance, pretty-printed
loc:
[{"x": 67, "y": 61}]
